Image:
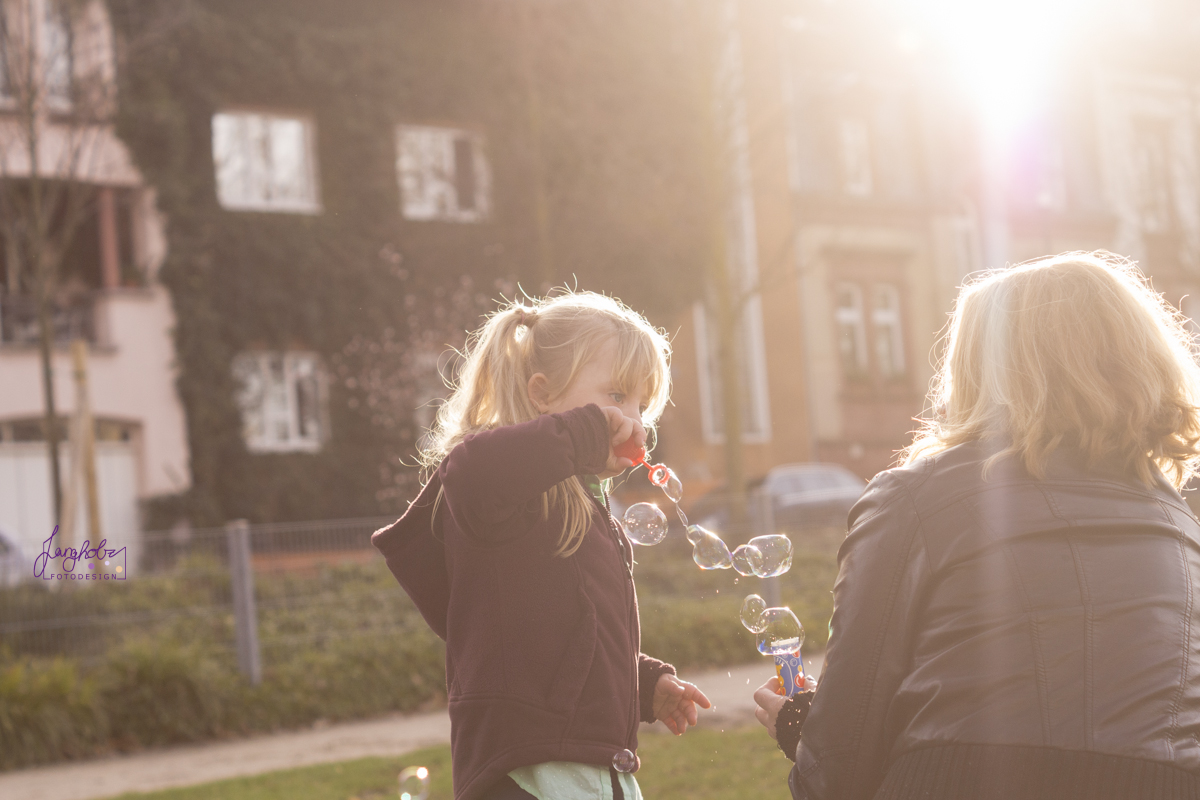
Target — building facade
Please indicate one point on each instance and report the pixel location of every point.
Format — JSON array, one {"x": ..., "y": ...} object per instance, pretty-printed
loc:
[
  {"x": 57, "y": 81},
  {"x": 866, "y": 188},
  {"x": 351, "y": 186}
]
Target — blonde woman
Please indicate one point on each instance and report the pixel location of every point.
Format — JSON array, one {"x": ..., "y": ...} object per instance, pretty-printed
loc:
[
  {"x": 1015, "y": 614},
  {"x": 511, "y": 555}
]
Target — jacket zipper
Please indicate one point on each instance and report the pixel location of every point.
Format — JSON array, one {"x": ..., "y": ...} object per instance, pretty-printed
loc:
[{"x": 627, "y": 559}]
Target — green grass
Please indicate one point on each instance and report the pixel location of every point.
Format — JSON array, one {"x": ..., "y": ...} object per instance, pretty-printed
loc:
[{"x": 703, "y": 764}]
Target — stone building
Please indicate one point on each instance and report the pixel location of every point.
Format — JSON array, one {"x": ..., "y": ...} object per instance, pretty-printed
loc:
[{"x": 867, "y": 184}]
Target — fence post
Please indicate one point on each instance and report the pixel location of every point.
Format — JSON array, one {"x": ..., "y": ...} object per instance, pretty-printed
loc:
[
  {"x": 765, "y": 519},
  {"x": 244, "y": 613}
]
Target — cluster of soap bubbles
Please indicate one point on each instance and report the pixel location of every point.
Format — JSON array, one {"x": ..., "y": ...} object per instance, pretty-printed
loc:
[
  {"x": 779, "y": 631},
  {"x": 763, "y": 556},
  {"x": 414, "y": 783}
]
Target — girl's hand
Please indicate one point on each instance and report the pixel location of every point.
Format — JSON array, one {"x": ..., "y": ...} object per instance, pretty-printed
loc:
[
  {"x": 621, "y": 428},
  {"x": 675, "y": 703}
]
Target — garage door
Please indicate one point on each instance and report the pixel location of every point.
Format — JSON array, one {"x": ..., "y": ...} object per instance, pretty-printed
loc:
[{"x": 26, "y": 504}]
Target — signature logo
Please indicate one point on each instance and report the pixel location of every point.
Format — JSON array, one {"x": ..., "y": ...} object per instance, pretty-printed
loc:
[{"x": 95, "y": 563}]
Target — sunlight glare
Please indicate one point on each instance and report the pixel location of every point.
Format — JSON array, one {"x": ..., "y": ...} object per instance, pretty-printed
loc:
[{"x": 1005, "y": 52}]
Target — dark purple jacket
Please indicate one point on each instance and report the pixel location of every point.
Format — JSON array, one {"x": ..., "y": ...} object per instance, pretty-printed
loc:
[{"x": 542, "y": 652}]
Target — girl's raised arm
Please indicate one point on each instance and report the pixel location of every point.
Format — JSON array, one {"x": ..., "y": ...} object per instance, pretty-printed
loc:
[{"x": 491, "y": 475}]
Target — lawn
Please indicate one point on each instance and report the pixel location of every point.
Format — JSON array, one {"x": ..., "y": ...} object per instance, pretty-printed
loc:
[{"x": 705, "y": 764}]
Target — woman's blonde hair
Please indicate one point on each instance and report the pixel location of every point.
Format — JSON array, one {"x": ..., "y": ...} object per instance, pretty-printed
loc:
[
  {"x": 556, "y": 336},
  {"x": 1072, "y": 349}
]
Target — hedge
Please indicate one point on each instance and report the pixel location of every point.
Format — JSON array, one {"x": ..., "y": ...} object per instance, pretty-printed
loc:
[{"x": 361, "y": 650}]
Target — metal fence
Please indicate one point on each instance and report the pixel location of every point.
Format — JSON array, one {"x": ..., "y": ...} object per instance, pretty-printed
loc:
[
  {"x": 263, "y": 594},
  {"x": 257, "y": 591}
]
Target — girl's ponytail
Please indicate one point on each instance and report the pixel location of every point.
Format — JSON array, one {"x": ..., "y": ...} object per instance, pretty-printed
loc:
[{"x": 556, "y": 337}]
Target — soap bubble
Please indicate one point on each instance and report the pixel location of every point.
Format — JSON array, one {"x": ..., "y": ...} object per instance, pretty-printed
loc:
[
  {"x": 624, "y": 761},
  {"x": 777, "y": 554},
  {"x": 781, "y": 632},
  {"x": 645, "y": 524},
  {"x": 747, "y": 559},
  {"x": 673, "y": 487},
  {"x": 414, "y": 783},
  {"x": 708, "y": 550},
  {"x": 752, "y": 613}
]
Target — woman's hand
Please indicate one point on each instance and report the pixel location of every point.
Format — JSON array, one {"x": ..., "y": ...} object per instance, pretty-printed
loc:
[
  {"x": 769, "y": 702},
  {"x": 770, "y": 699},
  {"x": 675, "y": 703},
  {"x": 620, "y": 429}
]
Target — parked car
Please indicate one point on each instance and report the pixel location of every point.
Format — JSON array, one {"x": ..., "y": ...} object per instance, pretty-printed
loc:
[
  {"x": 802, "y": 496},
  {"x": 15, "y": 566}
]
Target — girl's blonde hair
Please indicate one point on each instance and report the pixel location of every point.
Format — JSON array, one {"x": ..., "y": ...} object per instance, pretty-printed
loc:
[
  {"x": 555, "y": 336},
  {"x": 1073, "y": 349}
]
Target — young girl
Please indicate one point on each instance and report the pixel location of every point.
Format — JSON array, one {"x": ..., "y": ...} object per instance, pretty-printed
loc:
[{"x": 511, "y": 555}]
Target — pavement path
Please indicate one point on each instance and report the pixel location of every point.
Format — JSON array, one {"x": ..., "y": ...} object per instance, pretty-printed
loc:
[{"x": 729, "y": 689}]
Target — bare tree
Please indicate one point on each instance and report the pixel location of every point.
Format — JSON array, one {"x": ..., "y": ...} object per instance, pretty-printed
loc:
[{"x": 57, "y": 90}]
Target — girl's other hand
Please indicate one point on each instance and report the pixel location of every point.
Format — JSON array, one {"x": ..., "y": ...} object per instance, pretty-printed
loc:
[
  {"x": 675, "y": 703},
  {"x": 620, "y": 429}
]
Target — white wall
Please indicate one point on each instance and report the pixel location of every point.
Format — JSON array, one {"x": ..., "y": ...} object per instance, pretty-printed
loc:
[{"x": 131, "y": 377}]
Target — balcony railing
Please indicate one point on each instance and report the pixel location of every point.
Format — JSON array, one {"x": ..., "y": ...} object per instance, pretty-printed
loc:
[{"x": 19, "y": 320}]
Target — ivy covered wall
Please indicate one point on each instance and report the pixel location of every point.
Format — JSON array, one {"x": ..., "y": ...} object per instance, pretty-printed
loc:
[{"x": 590, "y": 118}]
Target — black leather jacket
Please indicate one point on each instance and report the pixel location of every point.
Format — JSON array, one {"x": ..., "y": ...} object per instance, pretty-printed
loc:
[{"x": 1055, "y": 613}]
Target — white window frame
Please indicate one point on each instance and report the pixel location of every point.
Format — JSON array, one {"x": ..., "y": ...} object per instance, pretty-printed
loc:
[
  {"x": 250, "y": 179},
  {"x": 854, "y": 149},
  {"x": 56, "y": 41},
  {"x": 269, "y": 398},
  {"x": 427, "y": 174},
  {"x": 851, "y": 317},
  {"x": 888, "y": 331},
  {"x": 7, "y": 98}
]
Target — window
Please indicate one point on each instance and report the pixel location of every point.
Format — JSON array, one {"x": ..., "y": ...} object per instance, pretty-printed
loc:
[
  {"x": 885, "y": 319},
  {"x": 851, "y": 329},
  {"x": 854, "y": 139},
  {"x": 282, "y": 400},
  {"x": 1152, "y": 174},
  {"x": 56, "y": 54},
  {"x": 443, "y": 174},
  {"x": 264, "y": 162},
  {"x": 6, "y": 89},
  {"x": 885, "y": 331}
]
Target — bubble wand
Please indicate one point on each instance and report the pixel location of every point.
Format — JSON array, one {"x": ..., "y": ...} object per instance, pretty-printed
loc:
[{"x": 646, "y": 525}]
